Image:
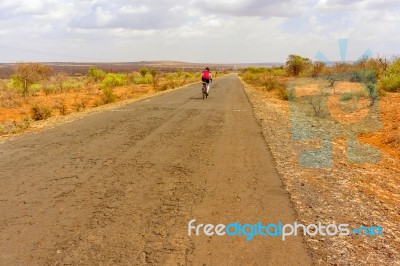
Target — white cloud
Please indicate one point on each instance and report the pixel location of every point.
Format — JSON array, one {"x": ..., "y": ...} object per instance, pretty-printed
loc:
[
  {"x": 103, "y": 17},
  {"x": 260, "y": 8},
  {"x": 232, "y": 30},
  {"x": 128, "y": 9},
  {"x": 31, "y": 7}
]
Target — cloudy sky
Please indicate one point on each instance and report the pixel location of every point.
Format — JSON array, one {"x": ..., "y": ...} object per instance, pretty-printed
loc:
[{"x": 215, "y": 31}]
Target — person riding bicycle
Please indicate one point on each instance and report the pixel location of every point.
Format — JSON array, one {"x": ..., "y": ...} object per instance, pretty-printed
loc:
[{"x": 206, "y": 77}]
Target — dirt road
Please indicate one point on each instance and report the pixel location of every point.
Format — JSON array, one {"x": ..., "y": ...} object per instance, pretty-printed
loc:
[{"x": 119, "y": 187}]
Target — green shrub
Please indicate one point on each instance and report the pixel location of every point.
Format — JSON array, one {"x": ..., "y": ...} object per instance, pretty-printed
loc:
[
  {"x": 347, "y": 96},
  {"x": 391, "y": 83},
  {"x": 112, "y": 80},
  {"x": 391, "y": 79},
  {"x": 96, "y": 74},
  {"x": 147, "y": 79},
  {"x": 35, "y": 88},
  {"x": 15, "y": 83},
  {"x": 363, "y": 76}
]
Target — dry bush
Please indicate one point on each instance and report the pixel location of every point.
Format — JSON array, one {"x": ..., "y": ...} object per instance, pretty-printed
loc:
[
  {"x": 317, "y": 104},
  {"x": 61, "y": 106},
  {"x": 10, "y": 99},
  {"x": 140, "y": 89},
  {"x": 12, "y": 127},
  {"x": 163, "y": 87},
  {"x": 285, "y": 95},
  {"x": 98, "y": 103},
  {"x": 80, "y": 103},
  {"x": 48, "y": 88},
  {"x": 40, "y": 112},
  {"x": 108, "y": 96},
  {"x": 270, "y": 83},
  {"x": 8, "y": 127}
]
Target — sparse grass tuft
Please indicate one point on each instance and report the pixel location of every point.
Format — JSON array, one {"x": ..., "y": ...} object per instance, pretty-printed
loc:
[{"x": 347, "y": 96}]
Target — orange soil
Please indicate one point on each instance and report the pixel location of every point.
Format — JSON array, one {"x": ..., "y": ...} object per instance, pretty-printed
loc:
[
  {"x": 74, "y": 101},
  {"x": 388, "y": 138}
]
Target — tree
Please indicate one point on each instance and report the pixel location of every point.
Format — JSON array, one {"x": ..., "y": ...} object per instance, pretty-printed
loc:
[
  {"x": 296, "y": 64},
  {"x": 27, "y": 74}
]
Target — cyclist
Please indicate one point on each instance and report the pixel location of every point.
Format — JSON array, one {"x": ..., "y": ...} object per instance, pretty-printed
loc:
[{"x": 206, "y": 77}]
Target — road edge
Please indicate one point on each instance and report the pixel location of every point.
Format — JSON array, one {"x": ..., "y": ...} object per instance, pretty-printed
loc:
[{"x": 281, "y": 176}]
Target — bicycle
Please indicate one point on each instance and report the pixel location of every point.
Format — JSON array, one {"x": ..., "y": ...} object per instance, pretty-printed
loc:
[{"x": 204, "y": 90}]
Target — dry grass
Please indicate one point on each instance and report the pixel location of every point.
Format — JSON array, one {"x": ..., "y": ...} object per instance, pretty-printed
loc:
[{"x": 17, "y": 111}]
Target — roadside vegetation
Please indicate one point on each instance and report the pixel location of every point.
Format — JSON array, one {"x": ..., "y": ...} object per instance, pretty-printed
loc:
[
  {"x": 337, "y": 92},
  {"x": 34, "y": 92},
  {"x": 376, "y": 75}
]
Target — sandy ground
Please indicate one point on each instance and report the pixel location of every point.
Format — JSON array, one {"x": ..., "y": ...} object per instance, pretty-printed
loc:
[
  {"x": 354, "y": 193},
  {"x": 118, "y": 187}
]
